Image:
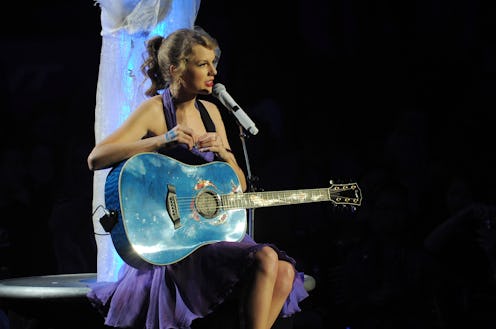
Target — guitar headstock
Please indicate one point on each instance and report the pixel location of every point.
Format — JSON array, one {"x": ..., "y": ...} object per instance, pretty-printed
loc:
[{"x": 348, "y": 194}]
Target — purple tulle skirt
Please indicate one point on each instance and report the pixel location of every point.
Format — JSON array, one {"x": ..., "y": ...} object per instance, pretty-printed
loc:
[{"x": 172, "y": 296}]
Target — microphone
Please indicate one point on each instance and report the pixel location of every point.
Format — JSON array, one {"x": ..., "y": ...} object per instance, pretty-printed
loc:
[{"x": 220, "y": 92}]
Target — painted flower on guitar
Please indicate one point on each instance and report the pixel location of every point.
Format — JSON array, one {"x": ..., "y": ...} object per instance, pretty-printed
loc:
[
  {"x": 202, "y": 183},
  {"x": 220, "y": 220}
]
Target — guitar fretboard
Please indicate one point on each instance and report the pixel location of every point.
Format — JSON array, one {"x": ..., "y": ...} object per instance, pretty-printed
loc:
[{"x": 274, "y": 198}]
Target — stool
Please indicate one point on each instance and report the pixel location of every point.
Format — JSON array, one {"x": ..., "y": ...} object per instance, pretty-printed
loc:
[
  {"x": 51, "y": 301},
  {"x": 309, "y": 282}
]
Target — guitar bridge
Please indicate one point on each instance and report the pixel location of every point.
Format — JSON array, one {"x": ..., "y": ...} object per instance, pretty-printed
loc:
[{"x": 171, "y": 205}]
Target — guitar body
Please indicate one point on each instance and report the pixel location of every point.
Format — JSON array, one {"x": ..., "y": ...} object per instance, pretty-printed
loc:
[{"x": 167, "y": 209}]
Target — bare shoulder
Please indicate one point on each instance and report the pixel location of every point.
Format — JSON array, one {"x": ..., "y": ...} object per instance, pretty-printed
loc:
[
  {"x": 150, "y": 114},
  {"x": 151, "y": 108},
  {"x": 152, "y": 104}
]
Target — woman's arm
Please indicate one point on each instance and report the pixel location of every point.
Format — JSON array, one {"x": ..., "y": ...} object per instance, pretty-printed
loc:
[{"x": 127, "y": 140}]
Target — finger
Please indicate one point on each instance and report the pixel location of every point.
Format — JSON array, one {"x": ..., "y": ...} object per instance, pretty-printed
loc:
[
  {"x": 187, "y": 139},
  {"x": 207, "y": 137},
  {"x": 184, "y": 129}
]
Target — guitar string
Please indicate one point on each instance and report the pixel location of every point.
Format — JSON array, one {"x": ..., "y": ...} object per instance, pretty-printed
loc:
[
  {"x": 228, "y": 201},
  {"x": 270, "y": 195}
]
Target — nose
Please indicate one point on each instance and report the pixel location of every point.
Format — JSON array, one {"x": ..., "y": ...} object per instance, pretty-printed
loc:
[{"x": 213, "y": 70}]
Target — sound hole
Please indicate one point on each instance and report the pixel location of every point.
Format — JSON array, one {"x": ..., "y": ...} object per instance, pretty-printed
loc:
[{"x": 207, "y": 204}]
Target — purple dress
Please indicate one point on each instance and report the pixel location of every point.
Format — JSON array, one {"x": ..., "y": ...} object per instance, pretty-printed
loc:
[{"x": 172, "y": 296}]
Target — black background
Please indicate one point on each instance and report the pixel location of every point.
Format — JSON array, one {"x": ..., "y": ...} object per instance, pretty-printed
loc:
[{"x": 338, "y": 89}]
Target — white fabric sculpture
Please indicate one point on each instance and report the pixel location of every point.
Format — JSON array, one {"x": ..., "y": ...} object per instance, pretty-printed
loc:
[{"x": 126, "y": 25}]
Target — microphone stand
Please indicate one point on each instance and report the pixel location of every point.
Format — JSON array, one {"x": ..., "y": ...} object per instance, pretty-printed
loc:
[{"x": 249, "y": 180}]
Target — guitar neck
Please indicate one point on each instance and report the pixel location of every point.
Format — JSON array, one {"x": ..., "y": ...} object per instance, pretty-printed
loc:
[{"x": 274, "y": 198}]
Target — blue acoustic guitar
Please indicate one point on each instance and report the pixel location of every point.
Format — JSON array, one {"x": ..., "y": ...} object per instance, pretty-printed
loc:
[{"x": 167, "y": 209}]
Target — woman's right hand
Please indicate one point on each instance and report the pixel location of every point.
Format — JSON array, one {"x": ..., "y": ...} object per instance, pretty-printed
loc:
[{"x": 181, "y": 134}]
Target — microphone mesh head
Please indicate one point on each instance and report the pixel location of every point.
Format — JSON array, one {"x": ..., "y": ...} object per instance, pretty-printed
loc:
[{"x": 218, "y": 88}]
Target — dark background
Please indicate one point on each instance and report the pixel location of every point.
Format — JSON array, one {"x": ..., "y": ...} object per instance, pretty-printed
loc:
[{"x": 396, "y": 96}]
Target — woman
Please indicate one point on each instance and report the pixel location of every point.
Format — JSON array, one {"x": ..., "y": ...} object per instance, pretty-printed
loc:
[{"x": 174, "y": 122}]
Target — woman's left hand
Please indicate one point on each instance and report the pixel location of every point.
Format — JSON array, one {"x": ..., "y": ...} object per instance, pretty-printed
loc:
[{"x": 212, "y": 142}]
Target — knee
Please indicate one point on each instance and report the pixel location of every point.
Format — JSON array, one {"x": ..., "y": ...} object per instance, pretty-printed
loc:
[
  {"x": 267, "y": 261},
  {"x": 285, "y": 276},
  {"x": 281, "y": 271}
]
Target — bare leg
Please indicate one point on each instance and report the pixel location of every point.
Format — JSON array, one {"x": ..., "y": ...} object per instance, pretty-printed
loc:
[
  {"x": 282, "y": 288},
  {"x": 272, "y": 283}
]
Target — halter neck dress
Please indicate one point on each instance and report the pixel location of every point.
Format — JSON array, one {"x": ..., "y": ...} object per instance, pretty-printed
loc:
[{"x": 172, "y": 296}]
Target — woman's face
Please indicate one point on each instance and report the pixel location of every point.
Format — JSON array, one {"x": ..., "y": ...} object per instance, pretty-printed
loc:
[{"x": 200, "y": 71}]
